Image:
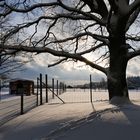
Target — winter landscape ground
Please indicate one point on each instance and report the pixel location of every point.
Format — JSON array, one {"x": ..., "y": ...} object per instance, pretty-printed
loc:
[{"x": 77, "y": 121}]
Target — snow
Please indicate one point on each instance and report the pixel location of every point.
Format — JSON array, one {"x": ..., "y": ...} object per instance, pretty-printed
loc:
[
  {"x": 120, "y": 100},
  {"x": 77, "y": 121},
  {"x": 5, "y": 96},
  {"x": 79, "y": 95},
  {"x": 117, "y": 123}
]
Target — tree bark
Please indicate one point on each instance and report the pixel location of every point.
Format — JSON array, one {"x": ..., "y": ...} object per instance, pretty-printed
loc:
[{"x": 117, "y": 84}]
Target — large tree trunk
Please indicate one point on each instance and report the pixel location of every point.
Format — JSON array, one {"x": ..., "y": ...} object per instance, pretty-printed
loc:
[{"x": 117, "y": 84}]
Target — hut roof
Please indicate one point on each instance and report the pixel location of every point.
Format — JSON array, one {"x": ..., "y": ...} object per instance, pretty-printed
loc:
[{"x": 18, "y": 79}]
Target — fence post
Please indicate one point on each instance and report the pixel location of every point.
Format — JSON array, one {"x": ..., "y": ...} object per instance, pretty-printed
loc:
[
  {"x": 46, "y": 77},
  {"x": 22, "y": 104},
  {"x": 37, "y": 91},
  {"x": 60, "y": 88},
  {"x": 57, "y": 87},
  {"x": 65, "y": 87},
  {"x": 0, "y": 89},
  {"x": 53, "y": 88},
  {"x": 90, "y": 88},
  {"x": 20, "y": 90},
  {"x": 41, "y": 89}
]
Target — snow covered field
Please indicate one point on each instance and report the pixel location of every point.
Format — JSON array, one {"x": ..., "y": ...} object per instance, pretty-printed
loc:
[
  {"x": 43, "y": 120},
  {"x": 73, "y": 121},
  {"x": 84, "y": 96},
  {"x": 78, "y": 95}
]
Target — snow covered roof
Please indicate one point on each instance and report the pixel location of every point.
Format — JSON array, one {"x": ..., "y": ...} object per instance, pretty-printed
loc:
[{"x": 18, "y": 79}]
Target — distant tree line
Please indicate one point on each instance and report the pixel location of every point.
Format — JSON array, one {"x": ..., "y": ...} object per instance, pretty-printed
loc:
[
  {"x": 95, "y": 85},
  {"x": 133, "y": 82}
]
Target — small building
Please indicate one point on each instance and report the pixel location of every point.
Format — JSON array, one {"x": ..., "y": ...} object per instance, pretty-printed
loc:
[{"x": 28, "y": 86}]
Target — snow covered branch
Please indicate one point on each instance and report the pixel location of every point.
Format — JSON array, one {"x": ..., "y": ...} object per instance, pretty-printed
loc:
[{"x": 55, "y": 53}]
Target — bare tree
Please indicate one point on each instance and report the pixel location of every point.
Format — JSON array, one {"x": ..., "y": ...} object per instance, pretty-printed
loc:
[
  {"x": 10, "y": 64},
  {"x": 75, "y": 30},
  {"x": 10, "y": 61}
]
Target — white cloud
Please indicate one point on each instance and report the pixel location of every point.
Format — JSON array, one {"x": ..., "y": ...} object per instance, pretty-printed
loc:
[
  {"x": 69, "y": 71},
  {"x": 133, "y": 68}
]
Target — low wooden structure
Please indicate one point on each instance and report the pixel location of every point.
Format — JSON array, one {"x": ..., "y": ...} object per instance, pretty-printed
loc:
[{"x": 28, "y": 86}]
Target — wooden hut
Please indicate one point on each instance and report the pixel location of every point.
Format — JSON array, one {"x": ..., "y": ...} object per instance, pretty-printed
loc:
[{"x": 28, "y": 86}]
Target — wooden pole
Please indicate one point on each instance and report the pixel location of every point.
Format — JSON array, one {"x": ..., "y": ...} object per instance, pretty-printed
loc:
[
  {"x": 46, "y": 77},
  {"x": 65, "y": 87},
  {"x": 57, "y": 87},
  {"x": 0, "y": 89},
  {"x": 21, "y": 92},
  {"x": 53, "y": 88},
  {"x": 37, "y": 91},
  {"x": 22, "y": 104},
  {"x": 90, "y": 88},
  {"x": 41, "y": 89}
]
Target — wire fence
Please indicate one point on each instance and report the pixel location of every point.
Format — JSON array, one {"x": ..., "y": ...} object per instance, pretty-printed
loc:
[
  {"x": 52, "y": 91},
  {"x": 64, "y": 92},
  {"x": 81, "y": 96},
  {"x": 10, "y": 109}
]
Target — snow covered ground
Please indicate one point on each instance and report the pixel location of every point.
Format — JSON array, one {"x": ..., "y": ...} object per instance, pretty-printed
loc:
[
  {"x": 72, "y": 96},
  {"x": 41, "y": 121},
  {"x": 120, "y": 123},
  {"x": 4, "y": 95},
  {"x": 73, "y": 121}
]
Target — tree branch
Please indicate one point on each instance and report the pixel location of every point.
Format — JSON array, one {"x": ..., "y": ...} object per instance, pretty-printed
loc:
[
  {"x": 91, "y": 16},
  {"x": 97, "y": 6},
  {"x": 59, "y": 3},
  {"x": 133, "y": 54},
  {"x": 132, "y": 18},
  {"x": 8, "y": 53},
  {"x": 32, "y": 7},
  {"x": 55, "y": 53},
  {"x": 136, "y": 38},
  {"x": 91, "y": 49},
  {"x": 113, "y": 5},
  {"x": 134, "y": 6},
  {"x": 26, "y": 25},
  {"x": 101, "y": 38},
  {"x": 58, "y": 62}
]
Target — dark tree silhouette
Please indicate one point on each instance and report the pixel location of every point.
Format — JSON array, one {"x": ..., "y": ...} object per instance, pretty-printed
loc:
[
  {"x": 11, "y": 61},
  {"x": 70, "y": 30},
  {"x": 10, "y": 64}
]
